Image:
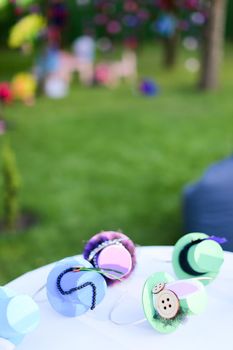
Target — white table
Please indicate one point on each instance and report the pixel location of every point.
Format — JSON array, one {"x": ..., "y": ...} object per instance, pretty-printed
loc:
[{"x": 212, "y": 330}]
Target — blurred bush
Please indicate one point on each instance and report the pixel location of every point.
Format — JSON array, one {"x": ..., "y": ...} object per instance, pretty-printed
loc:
[
  {"x": 11, "y": 187},
  {"x": 78, "y": 17}
]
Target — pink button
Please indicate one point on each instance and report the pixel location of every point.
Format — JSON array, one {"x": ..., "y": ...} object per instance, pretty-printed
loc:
[{"x": 116, "y": 258}]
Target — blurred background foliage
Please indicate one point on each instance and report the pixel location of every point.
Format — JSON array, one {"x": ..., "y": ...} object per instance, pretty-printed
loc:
[
  {"x": 78, "y": 16},
  {"x": 105, "y": 159},
  {"x": 117, "y": 162}
]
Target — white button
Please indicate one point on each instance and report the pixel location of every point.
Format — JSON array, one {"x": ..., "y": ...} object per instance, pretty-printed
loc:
[
  {"x": 167, "y": 304},
  {"x": 158, "y": 288}
]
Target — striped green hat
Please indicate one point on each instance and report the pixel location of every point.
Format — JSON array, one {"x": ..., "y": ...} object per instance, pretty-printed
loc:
[{"x": 198, "y": 255}]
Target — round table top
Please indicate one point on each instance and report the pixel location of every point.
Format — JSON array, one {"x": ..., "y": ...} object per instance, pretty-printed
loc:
[{"x": 119, "y": 322}]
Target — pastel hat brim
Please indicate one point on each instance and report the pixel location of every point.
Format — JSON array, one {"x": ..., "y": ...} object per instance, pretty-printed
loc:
[
  {"x": 179, "y": 271},
  {"x": 148, "y": 306},
  {"x": 195, "y": 303},
  {"x": 77, "y": 303},
  {"x": 19, "y": 315}
]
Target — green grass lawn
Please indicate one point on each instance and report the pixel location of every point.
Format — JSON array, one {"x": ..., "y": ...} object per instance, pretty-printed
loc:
[{"x": 111, "y": 160}]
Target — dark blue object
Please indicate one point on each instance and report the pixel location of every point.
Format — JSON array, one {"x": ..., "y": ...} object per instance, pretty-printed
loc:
[
  {"x": 149, "y": 88},
  {"x": 208, "y": 204},
  {"x": 75, "y": 289},
  {"x": 131, "y": 21}
]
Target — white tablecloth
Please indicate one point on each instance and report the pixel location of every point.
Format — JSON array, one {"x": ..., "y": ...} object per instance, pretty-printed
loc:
[{"x": 211, "y": 330}]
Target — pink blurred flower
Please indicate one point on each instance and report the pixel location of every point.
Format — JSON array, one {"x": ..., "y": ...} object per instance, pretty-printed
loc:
[
  {"x": 5, "y": 93},
  {"x": 100, "y": 19},
  {"x": 131, "y": 6},
  {"x": 143, "y": 14},
  {"x": 113, "y": 27},
  {"x": 192, "y": 4},
  {"x": 102, "y": 73}
]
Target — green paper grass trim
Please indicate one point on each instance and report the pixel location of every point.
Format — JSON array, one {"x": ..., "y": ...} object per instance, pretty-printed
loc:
[{"x": 179, "y": 318}]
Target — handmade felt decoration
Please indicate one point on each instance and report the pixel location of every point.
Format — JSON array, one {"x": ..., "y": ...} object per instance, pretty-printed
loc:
[
  {"x": 19, "y": 315},
  {"x": 113, "y": 251},
  {"x": 74, "y": 287},
  {"x": 198, "y": 255},
  {"x": 168, "y": 303}
]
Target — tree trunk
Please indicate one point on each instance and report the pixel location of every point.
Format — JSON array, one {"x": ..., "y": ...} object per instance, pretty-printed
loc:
[
  {"x": 170, "y": 46},
  {"x": 213, "y": 42}
]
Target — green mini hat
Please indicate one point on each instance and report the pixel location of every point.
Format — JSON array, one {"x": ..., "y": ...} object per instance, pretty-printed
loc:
[
  {"x": 197, "y": 255},
  {"x": 167, "y": 302}
]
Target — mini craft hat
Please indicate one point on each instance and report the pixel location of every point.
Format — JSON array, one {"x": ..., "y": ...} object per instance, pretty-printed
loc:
[
  {"x": 198, "y": 255},
  {"x": 74, "y": 287},
  {"x": 113, "y": 251},
  {"x": 167, "y": 302},
  {"x": 19, "y": 316}
]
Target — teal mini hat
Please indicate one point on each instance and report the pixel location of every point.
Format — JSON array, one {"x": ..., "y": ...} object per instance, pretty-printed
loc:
[
  {"x": 198, "y": 255},
  {"x": 19, "y": 316},
  {"x": 167, "y": 302}
]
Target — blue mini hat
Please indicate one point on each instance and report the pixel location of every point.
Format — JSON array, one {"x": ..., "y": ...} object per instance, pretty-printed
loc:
[
  {"x": 19, "y": 315},
  {"x": 73, "y": 287}
]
